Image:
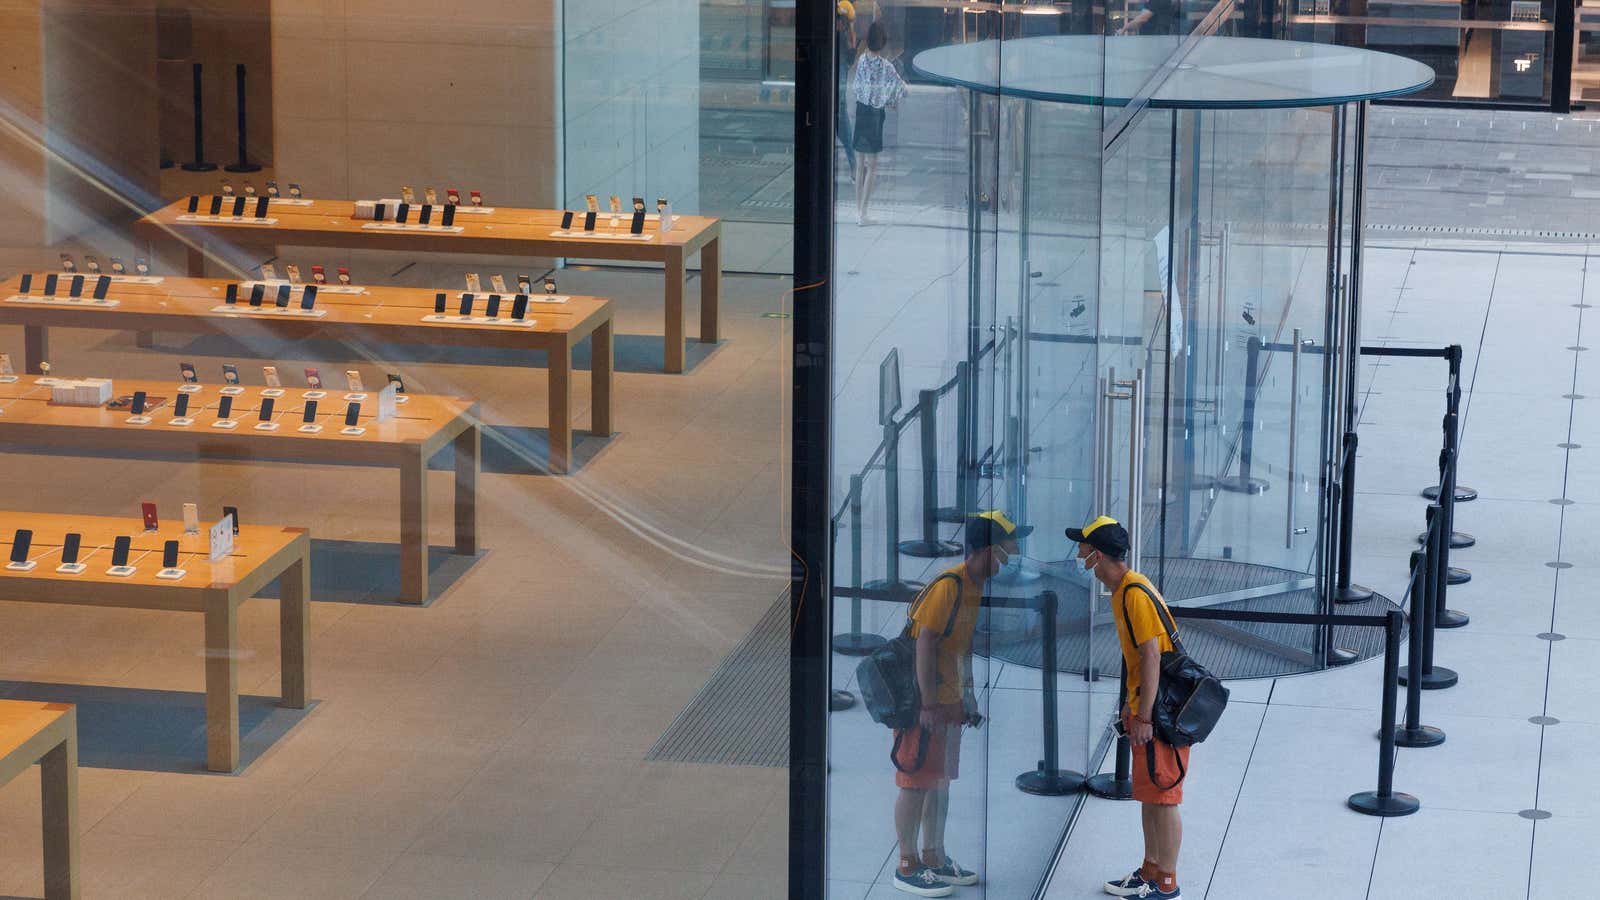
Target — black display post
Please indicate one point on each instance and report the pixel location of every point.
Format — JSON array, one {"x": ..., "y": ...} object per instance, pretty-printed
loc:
[
  {"x": 1345, "y": 591},
  {"x": 1118, "y": 784},
  {"x": 1243, "y": 483},
  {"x": 929, "y": 546},
  {"x": 1049, "y": 778},
  {"x": 199, "y": 163},
  {"x": 243, "y": 164},
  {"x": 1385, "y": 801},
  {"x": 1413, "y": 733}
]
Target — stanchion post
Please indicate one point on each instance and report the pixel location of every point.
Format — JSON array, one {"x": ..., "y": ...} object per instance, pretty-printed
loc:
[
  {"x": 243, "y": 164},
  {"x": 1049, "y": 779},
  {"x": 1452, "y": 356},
  {"x": 1413, "y": 733},
  {"x": 929, "y": 546},
  {"x": 1117, "y": 785},
  {"x": 199, "y": 163},
  {"x": 1447, "y": 476},
  {"x": 965, "y": 466},
  {"x": 1346, "y": 591},
  {"x": 856, "y": 642},
  {"x": 891, "y": 517},
  {"x": 1385, "y": 801},
  {"x": 1243, "y": 483}
]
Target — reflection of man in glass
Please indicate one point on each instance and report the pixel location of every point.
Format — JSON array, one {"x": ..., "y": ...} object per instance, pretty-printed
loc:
[
  {"x": 1157, "y": 17},
  {"x": 844, "y": 53},
  {"x": 927, "y": 757}
]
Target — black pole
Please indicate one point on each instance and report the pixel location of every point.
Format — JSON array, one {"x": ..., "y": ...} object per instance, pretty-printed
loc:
[
  {"x": 1117, "y": 785},
  {"x": 199, "y": 163},
  {"x": 1049, "y": 779},
  {"x": 1443, "y": 616},
  {"x": 856, "y": 642},
  {"x": 1243, "y": 483},
  {"x": 1348, "y": 592},
  {"x": 1384, "y": 801},
  {"x": 929, "y": 546},
  {"x": 1413, "y": 733},
  {"x": 891, "y": 513},
  {"x": 244, "y": 164},
  {"x": 1452, "y": 357},
  {"x": 965, "y": 437}
]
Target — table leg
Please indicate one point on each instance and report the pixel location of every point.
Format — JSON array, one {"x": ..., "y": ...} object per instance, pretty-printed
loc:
[
  {"x": 675, "y": 329},
  {"x": 414, "y": 529},
  {"x": 35, "y": 347},
  {"x": 600, "y": 369},
  {"x": 58, "y": 789},
  {"x": 196, "y": 261},
  {"x": 561, "y": 409},
  {"x": 468, "y": 459},
  {"x": 222, "y": 683},
  {"x": 294, "y": 619},
  {"x": 711, "y": 291}
]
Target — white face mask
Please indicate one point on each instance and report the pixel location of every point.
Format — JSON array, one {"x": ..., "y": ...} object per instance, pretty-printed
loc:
[{"x": 1090, "y": 561}]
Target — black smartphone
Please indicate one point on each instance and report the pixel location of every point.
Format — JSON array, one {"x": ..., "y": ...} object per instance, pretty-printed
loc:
[
  {"x": 20, "y": 544},
  {"x": 50, "y": 282},
  {"x": 308, "y": 297},
  {"x": 519, "y": 307},
  {"x": 439, "y": 302},
  {"x": 138, "y": 403},
  {"x": 225, "y": 408},
  {"x": 379, "y": 212},
  {"x": 194, "y": 203},
  {"x": 257, "y": 292},
  {"x": 402, "y": 212},
  {"x": 425, "y": 214},
  {"x": 283, "y": 296},
  {"x": 180, "y": 408},
  {"x": 238, "y": 207},
  {"x": 169, "y": 553},
  {"x": 566, "y": 220},
  {"x": 466, "y": 304},
  {"x": 189, "y": 376},
  {"x": 448, "y": 217},
  {"x": 494, "y": 306},
  {"x": 76, "y": 286},
  {"x": 352, "y": 414},
  {"x": 231, "y": 294},
  {"x": 69, "y": 548},
  {"x": 399, "y": 386},
  {"x": 232, "y": 511},
  {"x": 101, "y": 285},
  {"x": 588, "y": 221},
  {"x": 119, "y": 550},
  {"x": 310, "y": 414},
  {"x": 216, "y": 204},
  {"x": 266, "y": 409},
  {"x": 27, "y": 282},
  {"x": 261, "y": 207},
  {"x": 637, "y": 225}
]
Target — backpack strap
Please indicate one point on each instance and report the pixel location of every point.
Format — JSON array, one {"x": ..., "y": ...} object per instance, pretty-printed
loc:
[
  {"x": 1150, "y": 761},
  {"x": 922, "y": 748},
  {"x": 1161, "y": 612},
  {"x": 955, "y": 608}
]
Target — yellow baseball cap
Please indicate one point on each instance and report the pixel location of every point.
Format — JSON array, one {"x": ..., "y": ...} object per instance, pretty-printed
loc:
[
  {"x": 847, "y": 9},
  {"x": 1104, "y": 534}
]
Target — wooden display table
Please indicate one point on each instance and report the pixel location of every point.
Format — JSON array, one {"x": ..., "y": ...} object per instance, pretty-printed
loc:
[
  {"x": 504, "y": 232},
  {"x": 423, "y": 426},
  {"x": 47, "y": 734},
  {"x": 389, "y": 315}
]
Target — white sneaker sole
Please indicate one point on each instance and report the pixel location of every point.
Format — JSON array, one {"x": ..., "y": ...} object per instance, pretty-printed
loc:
[
  {"x": 968, "y": 881},
  {"x": 943, "y": 890}
]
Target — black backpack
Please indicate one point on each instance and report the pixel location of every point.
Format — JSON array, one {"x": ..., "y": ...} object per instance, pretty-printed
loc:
[
  {"x": 1189, "y": 699},
  {"x": 887, "y": 678}
]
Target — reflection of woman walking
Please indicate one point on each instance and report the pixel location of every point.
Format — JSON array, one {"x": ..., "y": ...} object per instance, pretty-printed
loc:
[{"x": 875, "y": 86}]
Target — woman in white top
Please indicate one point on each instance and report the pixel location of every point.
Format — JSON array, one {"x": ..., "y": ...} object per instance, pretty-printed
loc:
[{"x": 875, "y": 85}]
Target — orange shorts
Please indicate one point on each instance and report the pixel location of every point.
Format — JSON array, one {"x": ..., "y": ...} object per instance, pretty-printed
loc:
[
  {"x": 942, "y": 762},
  {"x": 1171, "y": 770}
]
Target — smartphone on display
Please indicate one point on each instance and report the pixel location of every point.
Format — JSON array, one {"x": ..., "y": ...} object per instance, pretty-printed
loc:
[
  {"x": 272, "y": 189},
  {"x": 352, "y": 415},
  {"x": 67, "y": 265},
  {"x": 353, "y": 378},
  {"x": 50, "y": 282},
  {"x": 189, "y": 374},
  {"x": 524, "y": 284},
  {"x": 519, "y": 307},
  {"x": 344, "y": 275},
  {"x": 230, "y": 373},
  {"x": 493, "y": 310},
  {"x": 69, "y": 548},
  {"x": 474, "y": 283},
  {"x": 309, "y": 415},
  {"x": 216, "y": 205},
  {"x": 425, "y": 215},
  {"x": 101, "y": 285},
  {"x": 399, "y": 386},
  {"x": 258, "y": 291},
  {"x": 294, "y": 190},
  {"x": 148, "y": 511},
  {"x": 440, "y": 303},
  {"x": 76, "y": 289},
  {"x": 225, "y": 408},
  {"x": 117, "y": 267},
  {"x": 475, "y": 198},
  {"x": 402, "y": 213},
  {"x": 466, "y": 304},
  {"x": 430, "y": 196},
  {"x": 194, "y": 203},
  {"x": 294, "y": 273},
  {"x": 266, "y": 409},
  {"x": 169, "y": 555},
  {"x": 314, "y": 378},
  {"x": 261, "y": 207},
  {"x": 283, "y": 296},
  {"x": 448, "y": 217},
  {"x": 238, "y": 207},
  {"x": 269, "y": 374},
  {"x": 180, "y": 409},
  {"x": 588, "y": 220},
  {"x": 319, "y": 275},
  {"x": 498, "y": 282},
  {"x": 139, "y": 398},
  {"x": 20, "y": 544},
  {"x": 452, "y": 196},
  {"x": 230, "y": 294},
  {"x": 308, "y": 297},
  {"x": 120, "y": 549},
  {"x": 27, "y": 283},
  {"x": 232, "y": 511}
]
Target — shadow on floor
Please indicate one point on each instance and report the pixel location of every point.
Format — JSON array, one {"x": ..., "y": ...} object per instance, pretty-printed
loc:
[
  {"x": 156, "y": 731},
  {"x": 368, "y": 572},
  {"x": 632, "y": 353},
  {"x": 524, "y": 450}
]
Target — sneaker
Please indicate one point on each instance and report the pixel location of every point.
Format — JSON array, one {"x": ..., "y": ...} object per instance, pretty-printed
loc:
[
  {"x": 1148, "y": 891},
  {"x": 951, "y": 873},
  {"x": 1127, "y": 886},
  {"x": 922, "y": 882}
]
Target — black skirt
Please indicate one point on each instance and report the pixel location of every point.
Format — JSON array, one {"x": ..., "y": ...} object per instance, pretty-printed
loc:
[{"x": 869, "y": 129}]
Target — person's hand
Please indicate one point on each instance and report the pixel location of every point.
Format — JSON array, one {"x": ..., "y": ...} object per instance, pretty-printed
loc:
[
  {"x": 969, "y": 710},
  {"x": 928, "y": 719},
  {"x": 1140, "y": 732}
]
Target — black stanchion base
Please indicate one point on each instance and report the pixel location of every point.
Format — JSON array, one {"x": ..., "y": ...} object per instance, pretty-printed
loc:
[
  {"x": 1370, "y": 803},
  {"x": 199, "y": 167},
  {"x": 857, "y": 643},
  {"x": 242, "y": 167},
  {"x": 1107, "y": 787},
  {"x": 1424, "y": 736},
  {"x": 1237, "y": 485},
  {"x": 1457, "y": 576},
  {"x": 1339, "y": 656},
  {"x": 1451, "y": 618},
  {"x": 841, "y": 700},
  {"x": 950, "y": 514},
  {"x": 1354, "y": 593},
  {"x": 1057, "y": 783},
  {"x": 899, "y": 591},
  {"x": 1436, "y": 679},
  {"x": 929, "y": 549},
  {"x": 1458, "y": 540},
  {"x": 1463, "y": 494}
]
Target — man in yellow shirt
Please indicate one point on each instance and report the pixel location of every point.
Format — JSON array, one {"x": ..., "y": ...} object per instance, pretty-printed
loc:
[
  {"x": 927, "y": 756},
  {"x": 1158, "y": 768}
]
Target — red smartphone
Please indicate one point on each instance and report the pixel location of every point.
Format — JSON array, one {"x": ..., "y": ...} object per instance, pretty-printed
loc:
[
  {"x": 313, "y": 378},
  {"x": 150, "y": 522}
]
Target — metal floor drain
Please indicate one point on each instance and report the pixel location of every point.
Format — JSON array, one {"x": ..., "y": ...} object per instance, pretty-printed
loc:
[{"x": 741, "y": 716}]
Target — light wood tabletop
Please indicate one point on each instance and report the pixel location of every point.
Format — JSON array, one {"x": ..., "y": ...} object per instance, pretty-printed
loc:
[
  {"x": 505, "y": 231},
  {"x": 47, "y": 734},
  {"x": 422, "y": 426},
  {"x": 398, "y": 315},
  {"x": 260, "y": 554}
]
